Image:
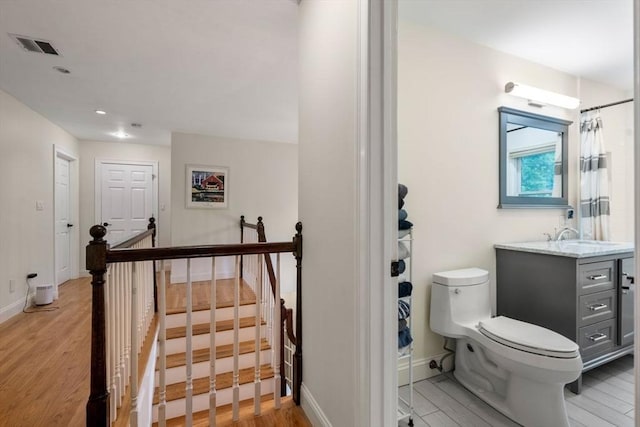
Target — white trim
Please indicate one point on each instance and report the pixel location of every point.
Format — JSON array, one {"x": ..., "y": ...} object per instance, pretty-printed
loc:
[
  {"x": 636, "y": 137},
  {"x": 421, "y": 370},
  {"x": 311, "y": 408},
  {"x": 155, "y": 179},
  {"x": 12, "y": 309},
  {"x": 74, "y": 254},
  {"x": 376, "y": 356}
]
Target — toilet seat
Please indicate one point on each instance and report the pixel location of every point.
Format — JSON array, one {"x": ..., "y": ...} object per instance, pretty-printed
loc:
[{"x": 527, "y": 337}]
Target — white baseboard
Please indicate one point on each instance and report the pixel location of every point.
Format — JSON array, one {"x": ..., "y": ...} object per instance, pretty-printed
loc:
[
  {"x": 311, "y": 408},
  {"x": 421, "y": 370},
  {"x": 12, "y": 309}
]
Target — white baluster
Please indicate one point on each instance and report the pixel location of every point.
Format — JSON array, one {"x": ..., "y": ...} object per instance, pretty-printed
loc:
[
  {"x": 212, "y": 346},
  {"x": 121, "y": 332},
  {"x": 276, "y": 344},
  {"x": 189, "y": 333},
  {"x": 256, "y": 379},
  {"x": 127, "y": 320},
  {"x": 162, "y": 349},
  {"x": 134, "y": 348},
  {"x": 236, "y": 344}
]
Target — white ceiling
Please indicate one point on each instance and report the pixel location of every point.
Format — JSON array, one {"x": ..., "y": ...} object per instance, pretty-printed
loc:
[
  {"x": 214, "y": 67},
  {"x": 229, "y": 67},
  {"x": 592, "y": 39}
]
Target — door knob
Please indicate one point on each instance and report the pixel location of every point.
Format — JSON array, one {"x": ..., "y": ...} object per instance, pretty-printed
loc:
[
  {"x": 69, "y": 225},
  {"x": 106, "y": 224}
]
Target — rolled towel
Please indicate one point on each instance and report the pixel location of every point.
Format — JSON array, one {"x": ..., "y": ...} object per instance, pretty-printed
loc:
[
  {"x": 404, "y": 289},
  {"x": 403, "y": 251},
  {"x": 403, "y": 233},
  {"x": 404, "y": 225},
  {"x": 402, "y": 266},
  {"x": 400, "y": 203},
  {"x": 404, "y": 310},
  {"x": 404, "y": 338},
  {"x": 402, "y": 214},
  {"x": 402, "y": 323},
  {"x": 402, "y": 191}
]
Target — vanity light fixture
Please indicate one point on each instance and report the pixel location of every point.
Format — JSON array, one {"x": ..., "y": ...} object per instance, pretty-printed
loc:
[{"x": 540, "y": 97}]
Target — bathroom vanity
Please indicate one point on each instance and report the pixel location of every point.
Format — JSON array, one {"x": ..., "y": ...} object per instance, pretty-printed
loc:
[{"x": 580, "y": 289}]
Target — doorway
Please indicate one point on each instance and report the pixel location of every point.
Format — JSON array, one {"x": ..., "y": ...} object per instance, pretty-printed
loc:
[
  {"x": 126, "y": 196},
  {"x": 63, "y": 218}
]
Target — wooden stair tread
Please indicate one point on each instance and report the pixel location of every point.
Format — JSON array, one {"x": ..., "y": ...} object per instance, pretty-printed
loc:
[
  {"x": 203, "y": 328},
  {"x": 225, "y": 380},
  {"x": 269, "y": 417},
  {"x": 222, "y": 351},
  {"x": 201, "y": 290}
]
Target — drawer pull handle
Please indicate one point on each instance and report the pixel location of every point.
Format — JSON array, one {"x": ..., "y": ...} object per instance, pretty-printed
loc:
[
  {"x": 598, "y": 337},
  {"x": 597, "y": 307},
  {"x": 598, "y": 277}
]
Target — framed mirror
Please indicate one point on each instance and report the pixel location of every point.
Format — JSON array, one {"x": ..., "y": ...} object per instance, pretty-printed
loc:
[{"x": 533, "y": 160}]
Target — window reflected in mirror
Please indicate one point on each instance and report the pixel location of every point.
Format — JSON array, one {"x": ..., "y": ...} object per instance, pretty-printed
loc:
[{"x": 532, "y": 160}]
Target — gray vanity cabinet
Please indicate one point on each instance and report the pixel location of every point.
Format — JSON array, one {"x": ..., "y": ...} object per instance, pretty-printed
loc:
[{"x": 588, "y": 300}]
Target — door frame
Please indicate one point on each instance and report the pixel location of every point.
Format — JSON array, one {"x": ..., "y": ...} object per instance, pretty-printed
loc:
[
  {"x": 59, "y": 152},
  {"x": 98, "y": 185}
]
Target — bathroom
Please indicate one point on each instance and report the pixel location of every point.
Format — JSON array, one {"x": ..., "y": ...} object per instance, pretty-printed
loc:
[{"x": 449, "y": 91}]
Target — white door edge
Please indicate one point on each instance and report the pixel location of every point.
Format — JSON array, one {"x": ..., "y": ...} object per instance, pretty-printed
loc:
[
  {"x": 636, "y": 137},
  {"x": 98, "y": 185},
  {"x": 61, "y": 153},
  {"x": 376, "y": 359}
]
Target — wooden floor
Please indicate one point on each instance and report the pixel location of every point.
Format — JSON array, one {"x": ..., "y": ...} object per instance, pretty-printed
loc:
[
  {"x": 201, "y": 293},
  {"x": 606, "y": 400},
  {"x": 45, "y": 365}
]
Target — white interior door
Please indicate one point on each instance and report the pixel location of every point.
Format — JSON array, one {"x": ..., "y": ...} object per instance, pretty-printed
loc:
[
  {"x": 126, "y": 199},
  {"x": 63, "y": 222}
]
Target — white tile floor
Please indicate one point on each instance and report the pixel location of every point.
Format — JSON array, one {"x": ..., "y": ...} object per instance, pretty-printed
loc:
[{"x": 606, "y": 400}]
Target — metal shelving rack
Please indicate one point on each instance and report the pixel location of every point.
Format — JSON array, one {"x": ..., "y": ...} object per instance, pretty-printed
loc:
[{"x": 407, "y": 413}]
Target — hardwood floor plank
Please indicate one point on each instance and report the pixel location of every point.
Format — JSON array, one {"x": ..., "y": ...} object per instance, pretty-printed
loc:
[
  {"x": 606, "y": 399},
  {"x": 609, "y": 389}
]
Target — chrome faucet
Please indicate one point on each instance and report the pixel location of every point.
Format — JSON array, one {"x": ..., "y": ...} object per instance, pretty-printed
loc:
[{"x": 564, "y": 230}]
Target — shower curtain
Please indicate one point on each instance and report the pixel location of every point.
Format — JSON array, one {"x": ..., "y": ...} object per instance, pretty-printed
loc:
[{"x": 594, "y": 184}]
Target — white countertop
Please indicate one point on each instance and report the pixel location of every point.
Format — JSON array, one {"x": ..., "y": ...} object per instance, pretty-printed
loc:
[{"x": 570, "y": 248}]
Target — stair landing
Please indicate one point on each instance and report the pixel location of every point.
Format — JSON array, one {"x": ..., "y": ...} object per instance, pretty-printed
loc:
[{"x": 201, "y": 295}]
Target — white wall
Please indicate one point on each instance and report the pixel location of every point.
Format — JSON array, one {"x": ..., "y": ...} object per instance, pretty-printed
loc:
[
  {"x": 26, "y": 175},
  {"x": 328, "y": 201},
  {"x": 90, "y": 151},
  {"x": 262, "y": 181},
  {"x": 449, "y": 92}
]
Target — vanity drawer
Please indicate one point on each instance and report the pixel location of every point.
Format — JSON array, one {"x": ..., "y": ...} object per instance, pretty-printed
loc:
[
  {"x": 597, "y": 307},
  {"x": 597, "y": 338},
  {"x": 596, "y": 277}
]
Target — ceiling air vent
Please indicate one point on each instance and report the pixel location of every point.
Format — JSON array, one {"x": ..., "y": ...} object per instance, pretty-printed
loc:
[{"x": 33, "y": 45}]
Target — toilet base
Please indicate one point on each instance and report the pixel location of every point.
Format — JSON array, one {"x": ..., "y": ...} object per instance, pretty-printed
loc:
[{"x": 523, "y": 400}]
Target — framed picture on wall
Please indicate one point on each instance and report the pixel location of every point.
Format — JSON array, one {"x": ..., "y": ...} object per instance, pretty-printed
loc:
[{"x": 207, "y": 187}]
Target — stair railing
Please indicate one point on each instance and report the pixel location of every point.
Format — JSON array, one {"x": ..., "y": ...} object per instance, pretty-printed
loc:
[
  {"x": 290, "y": 346},
  {"x": 109, "y": 280}
]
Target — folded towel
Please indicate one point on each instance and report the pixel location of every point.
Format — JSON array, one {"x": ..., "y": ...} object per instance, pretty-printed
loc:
[
  {"x": 404, "y": 289},
  {"x": 402, "y": 214}
]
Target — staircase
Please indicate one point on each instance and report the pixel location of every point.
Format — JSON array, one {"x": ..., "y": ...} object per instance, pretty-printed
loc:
[{"x": 176, "y": 343}]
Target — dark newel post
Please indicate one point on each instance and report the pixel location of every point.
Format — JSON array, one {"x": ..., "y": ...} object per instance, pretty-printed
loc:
[
  {"x": 260, "y": 229},
  {"x": 152, "y": 227},
  {"x": 297, "y": 357},
  {"x": 98, "y": 404},
  {"x": 283, "y": 318},
  {"x": 241, "y": 241}
]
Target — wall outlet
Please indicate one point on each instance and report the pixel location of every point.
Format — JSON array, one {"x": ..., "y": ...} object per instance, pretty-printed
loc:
[
  {"x": 12, "y": 286},
  {"x": 39, "y": 205}
]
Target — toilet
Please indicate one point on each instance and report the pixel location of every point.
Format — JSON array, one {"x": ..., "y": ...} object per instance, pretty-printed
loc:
[{"x": 518, "y": 368}]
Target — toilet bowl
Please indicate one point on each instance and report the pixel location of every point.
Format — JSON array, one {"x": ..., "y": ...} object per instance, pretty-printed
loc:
[{"x": 518, "y": 368}]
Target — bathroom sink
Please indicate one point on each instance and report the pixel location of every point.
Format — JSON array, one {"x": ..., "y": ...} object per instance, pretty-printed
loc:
[{"x": 587, "y": 243}]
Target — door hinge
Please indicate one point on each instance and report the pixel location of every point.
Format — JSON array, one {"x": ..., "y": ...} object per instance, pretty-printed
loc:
[{"x": 395, "y": 268}]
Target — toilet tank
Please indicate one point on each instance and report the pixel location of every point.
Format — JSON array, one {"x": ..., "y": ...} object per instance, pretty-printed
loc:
[{"x": 459, "y": 299}]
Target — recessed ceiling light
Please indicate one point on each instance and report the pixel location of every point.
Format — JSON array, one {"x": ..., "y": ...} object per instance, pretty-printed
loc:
[
  {"x": 120, "y": 134},
  {"x": 101, "y": 112},
  {"x": 62, "y": 70}
]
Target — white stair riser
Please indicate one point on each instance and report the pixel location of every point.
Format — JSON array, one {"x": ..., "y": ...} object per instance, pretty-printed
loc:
[
  {"x": 201, "y": 369},
  {"x": 176, "y": 408},
  {"x": 178, "y": 345},
  {"x": 202, "y": 316}
]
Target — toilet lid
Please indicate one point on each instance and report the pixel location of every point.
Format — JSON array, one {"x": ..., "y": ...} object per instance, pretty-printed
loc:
[{"x": 527, "y": 337}]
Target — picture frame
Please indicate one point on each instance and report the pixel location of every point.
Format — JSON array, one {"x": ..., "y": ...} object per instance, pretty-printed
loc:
[{"x": 207, "y": 187}]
